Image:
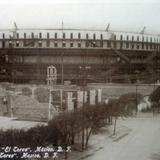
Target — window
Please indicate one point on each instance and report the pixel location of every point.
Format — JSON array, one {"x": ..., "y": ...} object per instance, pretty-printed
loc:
[
  {"x": 93, "y": 44},
  {"x": 55, "y": 35},
  {"x": 55, "y": 44},
  {"x": 79, "y": 36},
  {"x": 32, "y": 35},
  {"x": 71, "y": 44},
  {"x": 40, "y": 35},
  {"x": 25, "y": 36},
  {"x": 40, "y": 43},
  {"x": 63, "y": 44},
  {"x": 101, "y": 36},
  {"x": 47, "y": 35},
  {"x": 48, "y": 41},
  {"x": 79, "y": 44},
  {"x": 132, "y": 38},
  {"x": 121, "y": 37},
  {"x": 137, "y": 38},
  {"x": 87, "y": 36},
  {"x": 137, "y": 46},
  {"x": 64, "y": 35},
  {"x": 127, "y": 38},
  {"x": 17, "y": 43},
  {"x": 32, "y": 42},
  {"x": 143, "y": 39},
  {"x": 101, "y": 42},
  {"x": 94, "y": 36},
  {"x": 10, "y": 44},
  {"x": 17, "y": 35},
  {"x": 3, "y": 42},
  {"x": 114, "y": 37},
  {"x": 150, "y": 39},
  {"x": 71, "y": 35},
  {"x": 87, "y": 44},
  {"x": 3, "y": 36}
]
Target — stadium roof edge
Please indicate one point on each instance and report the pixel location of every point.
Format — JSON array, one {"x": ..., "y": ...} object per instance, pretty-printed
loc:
[{"x": 75, "y": 29}]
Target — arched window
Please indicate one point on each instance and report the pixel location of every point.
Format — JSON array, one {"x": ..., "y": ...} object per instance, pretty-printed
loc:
[
  {"x": 87, "y": 36},
  {"x": 55, "y": 35},
  {"x": 71, "y": 44},
  {"x": 121, "y": 37},
  {"x": 79, "y": 36},
  {"x": 25, "y": 36},
  {"x": 132, "y": 38},
  {"x": 127, "y": 38},
  {"x": 79, "y": 44},
  {"x": 47, "y": 35},
  {"x": 146, "y": 39},
  {"x": 3, "y": 36},
  {"x": 71, "y": 36},
  {"x": 32, "y": 35},
  {"x": 17, "y": 36},
  {"x": 63, "y": 44},
  {"x": 40, "y": 35},
  {"x": 40, "y": 43},
  {"x": 55, "y": 44},
  {"x": 64, "y": 35},
  {"x": 94, "y": 36},
  {"x": 101, "y": 36},
  {"x": 17, "y": 43}
]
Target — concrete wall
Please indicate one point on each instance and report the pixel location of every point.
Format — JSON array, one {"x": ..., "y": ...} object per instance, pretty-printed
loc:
[{"x": 116, "y": 90}]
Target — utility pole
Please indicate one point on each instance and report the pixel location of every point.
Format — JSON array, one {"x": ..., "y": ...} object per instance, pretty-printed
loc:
[
  {"x": 83, "y": 68},
  {"x": 62, "y": 67},
  {"x": 136, "y": 89}
]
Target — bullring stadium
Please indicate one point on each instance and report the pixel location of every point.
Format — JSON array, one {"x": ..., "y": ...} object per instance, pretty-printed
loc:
[{"x": 99, "y": 56}]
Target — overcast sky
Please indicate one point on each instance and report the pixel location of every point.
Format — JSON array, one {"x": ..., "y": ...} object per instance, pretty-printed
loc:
[{"x": 130, "y": 15}]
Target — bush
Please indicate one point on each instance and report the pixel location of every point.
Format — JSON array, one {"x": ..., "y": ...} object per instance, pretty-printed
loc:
[
  {"x": 26, "y": 91},
  {"x": 155, "y": 95},
  {"x": 129, "y": 102},
  {"x": 63, "y": 128},
  {"x": 42, "y": 95}
]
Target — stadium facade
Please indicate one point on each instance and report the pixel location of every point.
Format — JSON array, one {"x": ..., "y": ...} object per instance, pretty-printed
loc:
[{"x": 93, "y": 55}]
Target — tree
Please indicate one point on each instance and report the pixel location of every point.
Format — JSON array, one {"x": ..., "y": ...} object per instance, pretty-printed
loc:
[
  {"x": 155, "y": 95},
  {"x": 155, "y": 99},
  {"x": 129, "y": 102}
]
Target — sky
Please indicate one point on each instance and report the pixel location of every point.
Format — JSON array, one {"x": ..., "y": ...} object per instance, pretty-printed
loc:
[{"x": 123, "y": 15}]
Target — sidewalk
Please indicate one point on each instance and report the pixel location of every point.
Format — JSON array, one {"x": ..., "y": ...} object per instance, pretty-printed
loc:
[{"x": 99, "y": 140}]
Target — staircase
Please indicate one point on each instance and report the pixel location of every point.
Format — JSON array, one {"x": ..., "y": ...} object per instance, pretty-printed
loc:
[
  {"x": 121, "y": 55},
  {"x": 150, "y": 57}
]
